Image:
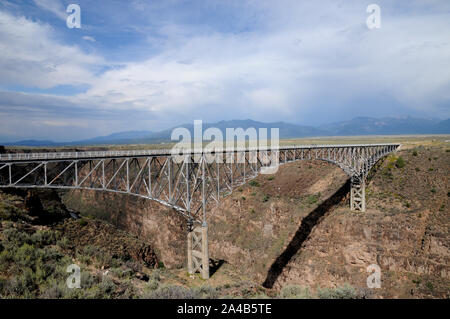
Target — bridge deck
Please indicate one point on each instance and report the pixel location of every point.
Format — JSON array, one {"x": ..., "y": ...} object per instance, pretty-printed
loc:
[
  {"x": 164, "y": 152},
  {"x": 186, "y": 186}
]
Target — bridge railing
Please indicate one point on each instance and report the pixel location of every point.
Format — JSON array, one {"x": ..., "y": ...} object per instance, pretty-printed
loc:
[{"x": 165, "y": 152}]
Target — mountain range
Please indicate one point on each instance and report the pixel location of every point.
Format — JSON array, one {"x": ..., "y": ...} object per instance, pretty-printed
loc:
[{"x": 354, "y": 127}]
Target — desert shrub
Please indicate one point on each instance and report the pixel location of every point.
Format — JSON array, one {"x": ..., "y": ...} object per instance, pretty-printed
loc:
[
  {"x": 82, "y": 222},
  {"x": 11, "y": 212},
  {"x": 128, "y": 291},
  {"x": 127, "y": 273},
  {"x": 50, "y": 253},
  {"x": 116, "y": 271},
  {"x": 88, "y": 280},
  {"x": 104, "y": 260},
  {"x": 152, "y": 284},
  {"x": 6, "y": 257},
  {"x": 57, "y": 289},
  {"x": 294, "y": 292},
  {"x": 312, "y": 199},
  {"x": 14, "y": 288},
  {"x": 343, "y": 292},
  {"x": 266, "y": 198},
  {"x": 28, "y": 279},
  {"x": 207, "y": 292},
  {"x": 44, "y": 271},
  {"x": 433, "y": 190},
  {"x": 3, "y": 283},
  {"x": 84, "y": 259},
  {"x": 44, "y": 237},
  {"x": 37, "y": 268},
  {"x": 254, "y": 183},
  {"x": 25, "y": 256},
  {"x": 135, "y": 266},
  {"x": 400, "y": 162},
  {"x": 260, "y": 295},
  {"x": 90, "y": 251},
  {"x": 156, "y": 275},
  {"x": 414, "y": 153},
  {"x": 173, "y": 292},
  {"x": 54, "y": 291},
  {"x": 12, "y": 238},
  {"x": 106, "y": 287},
  {"x": 61, "y": 267},
  {"x": 20, "y": 286},
  {"x": 64, "y": 243}
]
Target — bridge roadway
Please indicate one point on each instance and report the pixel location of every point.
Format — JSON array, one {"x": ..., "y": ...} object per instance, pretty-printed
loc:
[
  {"x": 189, "y": 182},
  {"x": 167, "y": 152}
]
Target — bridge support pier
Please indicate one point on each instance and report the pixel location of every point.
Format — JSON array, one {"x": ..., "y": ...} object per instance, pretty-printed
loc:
[
  {"x": 197, "y": 254},
  {"x": 358, "y": 196}
]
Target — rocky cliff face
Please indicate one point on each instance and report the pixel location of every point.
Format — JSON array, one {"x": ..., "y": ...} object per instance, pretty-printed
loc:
[
  {"x": 152, "y": 222},
  {"x": 405, "y": 231},
  {"x": 256, "y": 224},
  {"x": 248, "y": 229},
  {"x": 295, "y": 227}
]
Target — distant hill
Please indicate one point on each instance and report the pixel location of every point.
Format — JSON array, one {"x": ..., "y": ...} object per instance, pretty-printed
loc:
[
  {"x": 356, "y": 126},
  {"x": 387, "y": 126},
  {"x": 287, "y": 130},
  {"x": 118, "y": 138},
  {"x": 33, "y": 143}
]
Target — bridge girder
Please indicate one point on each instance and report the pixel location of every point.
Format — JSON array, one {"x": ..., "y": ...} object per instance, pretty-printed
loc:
[{"x": 187, "y": 183}]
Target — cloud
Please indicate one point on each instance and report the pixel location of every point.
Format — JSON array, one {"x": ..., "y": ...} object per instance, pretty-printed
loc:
[
  {"x": 53, "y": 6},
  {"x": 290, "y": 72},
  {"x": 88, "y": 38},
  {"x": 285, "y": 60},
  {"x": 32, "y": 56},
  {"x": 62, "y": 118}
]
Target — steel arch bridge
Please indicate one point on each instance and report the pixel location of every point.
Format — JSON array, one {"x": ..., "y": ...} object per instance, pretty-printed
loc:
[{"x": 186, "y": 182}]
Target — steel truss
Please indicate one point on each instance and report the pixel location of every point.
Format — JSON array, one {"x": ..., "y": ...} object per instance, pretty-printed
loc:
[{"x": 188, "y": 183}]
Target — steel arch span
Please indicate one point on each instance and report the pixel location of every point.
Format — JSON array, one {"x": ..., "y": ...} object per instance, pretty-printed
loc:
[{"x": 187, "y": 183}]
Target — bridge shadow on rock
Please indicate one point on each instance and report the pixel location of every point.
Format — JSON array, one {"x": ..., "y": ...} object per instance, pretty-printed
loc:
[
  {"x": 214, "y": 265},
  {"x": 306, "y": 226}
]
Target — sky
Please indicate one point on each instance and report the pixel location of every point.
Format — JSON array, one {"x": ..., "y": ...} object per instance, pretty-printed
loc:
[{"x": 151, "y": 65}]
